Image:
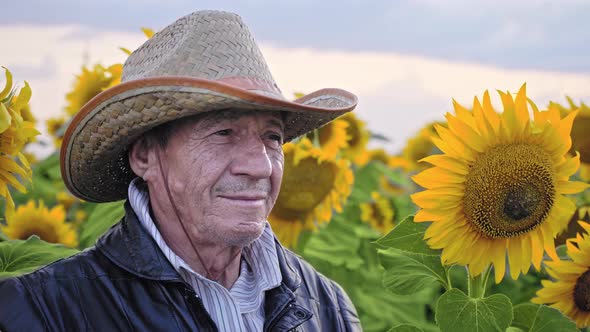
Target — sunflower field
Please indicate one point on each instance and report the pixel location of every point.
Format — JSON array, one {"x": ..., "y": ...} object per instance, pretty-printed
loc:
[{"x": 480, "y": 223}]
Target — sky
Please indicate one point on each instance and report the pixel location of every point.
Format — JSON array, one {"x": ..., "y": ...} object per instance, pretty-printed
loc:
[{"x": 406, "y": 60}]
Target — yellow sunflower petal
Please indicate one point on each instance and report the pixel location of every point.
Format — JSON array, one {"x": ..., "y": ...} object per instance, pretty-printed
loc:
[
  {"x": 5, "y": 118},
  {"x": 498, "y": 186},
  {"x": 447, "y": 163},
  {"x": 8, "y": 86},
  {"x": 436, "y": 177},
  {"x": 572, "y": 187},
  {"x": 38, "y": 220},
  {"x": 571, "y": 279},
  {"x": 469, "y": 136}
]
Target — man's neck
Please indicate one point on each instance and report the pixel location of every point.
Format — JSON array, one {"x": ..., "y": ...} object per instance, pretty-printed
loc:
[{"x": 213, "y": 261}]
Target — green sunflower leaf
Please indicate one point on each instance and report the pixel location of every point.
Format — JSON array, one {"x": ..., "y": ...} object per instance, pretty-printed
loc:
[
  {"x": 337, "y": 244},
  {"x": 346, "y": 253},
  {"x": 99, "y": 221},
  {"x": 513, "y": 329},
  {"x": 405, "y": 328},
  {"x": 408, "y": 236},
  {"x": 408, "y": 273},
  {"x": 531, "y": 317},
  {"x": 457, "y": 312},
  {"x": 403, "y": 207},
  {"x": 22, "y": 256},
  {"x": 366, "y": 180}
]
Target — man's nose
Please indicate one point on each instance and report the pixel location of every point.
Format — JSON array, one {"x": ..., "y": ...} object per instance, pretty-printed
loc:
[{"x": 252, "y": 159}]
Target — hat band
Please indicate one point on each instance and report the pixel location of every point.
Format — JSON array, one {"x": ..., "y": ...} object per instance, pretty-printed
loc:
[{"x": 254, "y": 84}]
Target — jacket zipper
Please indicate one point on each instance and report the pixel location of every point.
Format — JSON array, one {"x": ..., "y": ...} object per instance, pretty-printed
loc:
[
  {"x": 281, "y": 314},
  {"x": 201, "y": 307}
]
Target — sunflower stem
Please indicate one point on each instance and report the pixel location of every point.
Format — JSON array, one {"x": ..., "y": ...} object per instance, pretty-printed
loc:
[
  {"x": 486, "y": 274},
  {"x": 449, "y": 282},
  {"x": 475, "y": 287}
]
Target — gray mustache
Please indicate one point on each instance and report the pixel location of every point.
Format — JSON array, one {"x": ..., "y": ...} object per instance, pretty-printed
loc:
[{"x": 262, "y": 186}]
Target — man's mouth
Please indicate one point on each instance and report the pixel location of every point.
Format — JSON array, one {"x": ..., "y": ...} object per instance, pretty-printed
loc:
[{"x": 250, "y": 199}]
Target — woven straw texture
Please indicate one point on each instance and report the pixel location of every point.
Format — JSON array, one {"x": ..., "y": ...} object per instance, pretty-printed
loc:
[
  {"x": 214, "y": 46},
  {"x": 224, "y": 47}
]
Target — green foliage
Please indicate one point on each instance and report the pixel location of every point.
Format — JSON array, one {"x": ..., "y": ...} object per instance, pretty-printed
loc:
[
  {"x": 520, "y": 290},
  {"x": 344, "y": 252},
  {"x": 366, "y": 180},
  {"x": 22, "y": 256},
  {"x": 531, "y": 317},
  {"x": 45, "y": 184},
  {"x": 408, "y": 236},
  {"x": 562, "y": 252},
  {"x": 457, "y": 312},
  {"x": 411, "y": 265},
  {"x": 408, "y": 273},
  {"x": 405, "y": 328},
  {"x": 103, "y": 216}
]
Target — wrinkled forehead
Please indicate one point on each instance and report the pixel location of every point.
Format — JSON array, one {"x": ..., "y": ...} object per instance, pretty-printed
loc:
[{"x": 210, "y": 118}]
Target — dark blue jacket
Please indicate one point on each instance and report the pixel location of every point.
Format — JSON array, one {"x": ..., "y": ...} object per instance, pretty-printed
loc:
[{"x": 125, "y": 283}]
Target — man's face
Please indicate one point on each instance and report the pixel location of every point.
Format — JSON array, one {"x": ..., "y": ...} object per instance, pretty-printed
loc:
[{"x": 224, "y": 172}]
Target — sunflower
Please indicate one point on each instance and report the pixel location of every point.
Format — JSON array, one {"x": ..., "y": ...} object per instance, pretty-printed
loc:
[
  {"x": 580, "y": 137},
  {"x": 49, "y": 225},
  {"x": 65, "y": 199},
  {"x": 332, "y": 138},
  {"x": 498, "y": 188},
  {"x": 90, "y": 83},
  {"x": 379, "y": 155},
  {"x": 26, "y": 113},
  {"x": 378, "y": 213},
  {"x": 357, "y": 137},
  {"x": 54, "y": 126},
  {"x": 574, "y": 226},
  {"x": 389, "y": 186},
  {"x": 418, "y": 147},
  {"x": 15, "y": 132},
  {"x": 313, "y": 185},
  {"x": 585, "y": 172},
  {"x": 569, "y": 291}
]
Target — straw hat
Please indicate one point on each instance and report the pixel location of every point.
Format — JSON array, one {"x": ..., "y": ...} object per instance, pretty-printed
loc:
[{"x": 203, "y": 62}]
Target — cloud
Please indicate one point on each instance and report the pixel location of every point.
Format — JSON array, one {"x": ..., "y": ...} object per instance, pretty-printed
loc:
[
  {"x": 398, "y": 93},
  {"x": 510, "y": 34}
]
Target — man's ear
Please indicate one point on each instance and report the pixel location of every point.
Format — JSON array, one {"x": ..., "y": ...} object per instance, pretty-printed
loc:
[{"x": 139, "y": 157}]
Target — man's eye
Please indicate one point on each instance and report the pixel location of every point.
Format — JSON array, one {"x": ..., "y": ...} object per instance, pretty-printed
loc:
[
  {"x": 276, "y": 137},
  {"x": 224, "y": 132}
]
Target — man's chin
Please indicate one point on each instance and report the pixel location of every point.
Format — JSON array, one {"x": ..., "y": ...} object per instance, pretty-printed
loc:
[{"x": 244, "y": 233}]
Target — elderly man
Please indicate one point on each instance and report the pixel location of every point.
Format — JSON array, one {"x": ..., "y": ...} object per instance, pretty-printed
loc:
[{"x": 193, "y": 139}]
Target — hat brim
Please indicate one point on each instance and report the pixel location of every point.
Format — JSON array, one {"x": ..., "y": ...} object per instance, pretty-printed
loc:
[{"x": 94, "y": 162}]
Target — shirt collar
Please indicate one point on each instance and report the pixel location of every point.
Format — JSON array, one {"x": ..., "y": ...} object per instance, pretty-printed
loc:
[{"x": 260, "y": 255}]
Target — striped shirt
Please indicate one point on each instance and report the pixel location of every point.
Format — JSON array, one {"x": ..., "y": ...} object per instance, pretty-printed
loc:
[{"x": 240, "y": 308}]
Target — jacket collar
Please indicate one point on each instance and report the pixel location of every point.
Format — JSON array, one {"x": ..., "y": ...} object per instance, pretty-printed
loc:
[{"x": 129, "y": 246}]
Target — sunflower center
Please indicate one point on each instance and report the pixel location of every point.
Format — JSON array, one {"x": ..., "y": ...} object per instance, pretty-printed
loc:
[
  {"x": 325, "y": 133},
  {"x": 580, "y": 138},
  {"x": 304, "y": 187},
  {"x": 377, "y": 214},
  {"x": 509, "y": 190},
  {"x": 582, "y": 292},
  {"x": 353, "y": 133},
  {"x": 46, "y": 234},
  {"x": 521, "y": 202}
]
